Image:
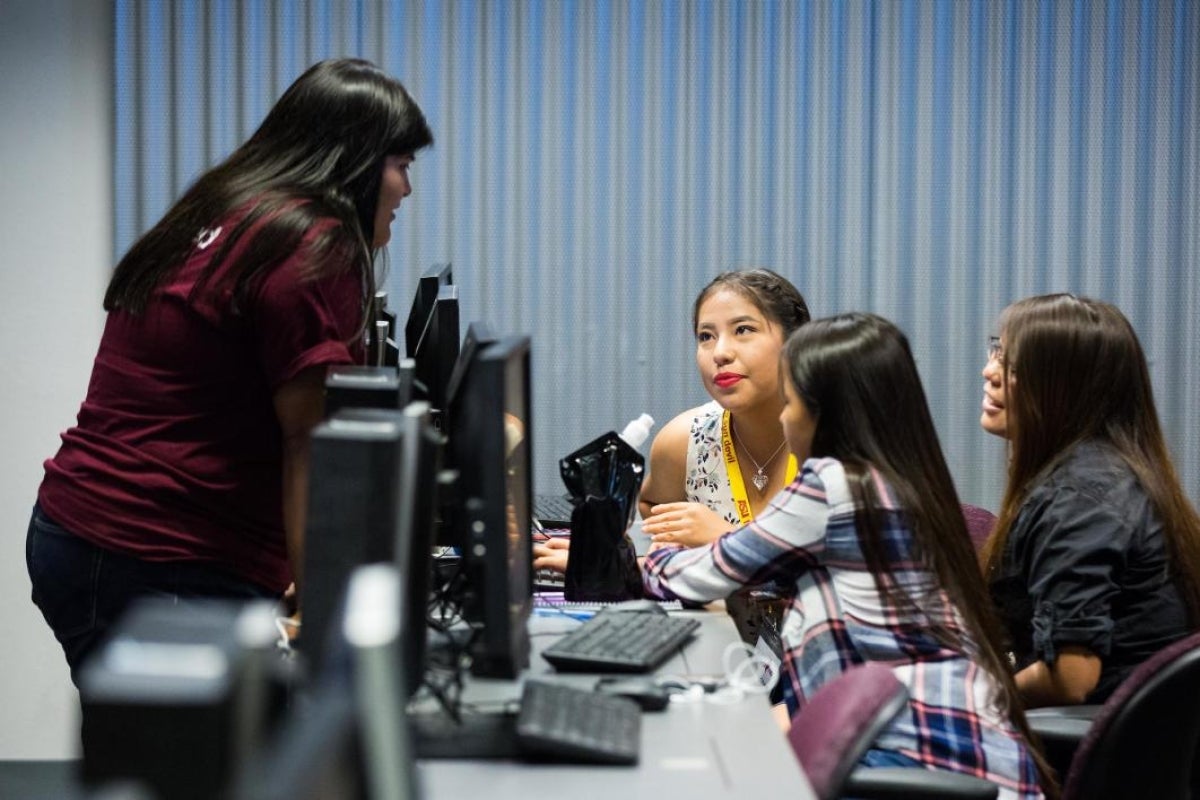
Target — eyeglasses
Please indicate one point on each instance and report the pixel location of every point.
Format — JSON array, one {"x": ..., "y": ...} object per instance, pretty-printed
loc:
[{"x": 995, "y": 350}]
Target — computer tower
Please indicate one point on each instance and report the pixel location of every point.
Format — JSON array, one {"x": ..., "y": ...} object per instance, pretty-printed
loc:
[{"x": 181, "y": 695}]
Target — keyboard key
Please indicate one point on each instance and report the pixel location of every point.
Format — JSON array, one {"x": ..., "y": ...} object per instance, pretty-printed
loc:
[{"x": 548, "y": 580}]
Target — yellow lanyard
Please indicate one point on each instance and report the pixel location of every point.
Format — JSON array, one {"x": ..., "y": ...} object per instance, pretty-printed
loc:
[{"x": 736, "y": 485}]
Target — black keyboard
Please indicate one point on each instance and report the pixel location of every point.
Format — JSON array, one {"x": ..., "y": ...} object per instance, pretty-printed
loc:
[
  {"x": 568, "y": 724},
  {"x": 553, "y": 510},
  {"x": 615, "y": 641},
  {"x": 548, "y": 580}
]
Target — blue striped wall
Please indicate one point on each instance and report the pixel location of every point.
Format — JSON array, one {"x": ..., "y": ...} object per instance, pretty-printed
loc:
[{"x": 597, "y": 161}]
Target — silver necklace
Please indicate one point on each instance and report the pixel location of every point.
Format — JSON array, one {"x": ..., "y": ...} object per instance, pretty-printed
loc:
[{"x": 760, "y": 473}]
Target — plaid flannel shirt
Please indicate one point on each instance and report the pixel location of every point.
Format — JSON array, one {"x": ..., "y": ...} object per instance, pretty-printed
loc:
[{"x": 807, "y": 538}]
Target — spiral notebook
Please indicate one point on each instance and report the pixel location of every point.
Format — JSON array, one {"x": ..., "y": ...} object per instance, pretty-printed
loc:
[{"x": 556, "y": 601}]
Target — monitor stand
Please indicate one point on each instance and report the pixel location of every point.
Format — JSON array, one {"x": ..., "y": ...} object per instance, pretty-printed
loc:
[{"x": 476, "y": 736}]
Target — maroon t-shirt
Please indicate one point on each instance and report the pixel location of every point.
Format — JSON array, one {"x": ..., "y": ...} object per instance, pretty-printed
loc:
[{"x": 176, "y": 454}]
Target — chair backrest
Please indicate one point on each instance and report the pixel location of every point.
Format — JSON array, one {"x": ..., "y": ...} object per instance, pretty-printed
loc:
[
  {"x": 1143, "y": 741},
  {"x": 980, "y": 522},
  {"x": 841, "y": 721}
]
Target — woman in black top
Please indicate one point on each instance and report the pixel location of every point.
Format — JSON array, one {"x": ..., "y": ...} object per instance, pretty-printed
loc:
[{"x": 1095, "y": 558}]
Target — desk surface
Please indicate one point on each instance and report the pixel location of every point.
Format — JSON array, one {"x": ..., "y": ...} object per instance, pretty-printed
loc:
[{"x": 696, "y": 750}]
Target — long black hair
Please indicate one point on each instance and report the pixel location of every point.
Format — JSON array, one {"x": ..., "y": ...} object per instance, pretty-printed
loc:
[
  {"x": 317, "y": 155},
  {"x": 856, "y": 375}
]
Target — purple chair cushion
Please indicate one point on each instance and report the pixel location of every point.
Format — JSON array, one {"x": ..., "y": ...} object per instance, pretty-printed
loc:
[
  {"x": 841, "y": 720},
  {"x": 980, "y": 522}
]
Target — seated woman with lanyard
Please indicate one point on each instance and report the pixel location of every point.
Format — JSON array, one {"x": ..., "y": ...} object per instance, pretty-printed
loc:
[
  {"x": 713, "y": 467},
  {"x": 870, "y": 542},
  {"x": 1094, "y": 563}
]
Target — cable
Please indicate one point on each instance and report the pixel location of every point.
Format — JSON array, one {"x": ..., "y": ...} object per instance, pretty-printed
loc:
[
  {"x": 757, "y": 673},
  {"x": 284, "y": 643},
  {"x": 754, "y": 673}
]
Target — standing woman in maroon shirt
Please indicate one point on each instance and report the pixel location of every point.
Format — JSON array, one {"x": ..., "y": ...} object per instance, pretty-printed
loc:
[{"x": 186, "y": 473}]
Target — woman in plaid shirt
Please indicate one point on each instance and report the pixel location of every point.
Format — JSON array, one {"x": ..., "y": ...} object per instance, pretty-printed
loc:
[{"x": 871, "y": 537}]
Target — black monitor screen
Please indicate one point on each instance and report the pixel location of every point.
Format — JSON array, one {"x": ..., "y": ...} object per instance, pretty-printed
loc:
[
  {"x": 437, "y": 351},
  {"x": 428, "y": 286},
  {"x": 478, "y": 336},
  {"x": 491, "y": 449}
]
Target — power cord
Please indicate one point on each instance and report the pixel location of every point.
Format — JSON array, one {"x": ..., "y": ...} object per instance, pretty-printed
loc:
[{"x": 747, "y": 672}]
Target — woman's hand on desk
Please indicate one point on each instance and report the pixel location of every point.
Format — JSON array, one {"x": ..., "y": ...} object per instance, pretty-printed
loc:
[
  {"x": 688, "y": 524},
  {"x": 552, "y": 554}
]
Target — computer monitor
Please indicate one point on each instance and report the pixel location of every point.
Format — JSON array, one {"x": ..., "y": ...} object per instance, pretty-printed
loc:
[
  {"x": 437, "y": 351},
  {"x": 373, "y": 629},
  {"x": 358, "y": 386},
  {"x": 490, "y": 447},
  {"x": 478, "y": 336},
  {"x": 348, "y": 735},
  {"x": 181, "y": 695},
  {"x": 317, "y": 753},
  {"x": 372, "y": 498},
  {"x": 430, "y": 283}
]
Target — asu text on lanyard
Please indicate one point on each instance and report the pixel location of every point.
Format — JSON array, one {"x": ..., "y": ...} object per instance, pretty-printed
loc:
[{"x": 737, "y": 486}]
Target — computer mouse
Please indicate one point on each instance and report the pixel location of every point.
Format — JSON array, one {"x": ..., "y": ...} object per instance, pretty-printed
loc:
[
  {"x": 640, "y": 606},
  {"x": 643, "y": 691}
]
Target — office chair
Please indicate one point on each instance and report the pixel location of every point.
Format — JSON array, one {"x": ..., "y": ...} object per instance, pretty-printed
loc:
[
  {"x": 841, "y": 721},
  {"x": 980, "y": 522},
  {"x": 839, "y": 724},
  {"x": 1144, "y": 738},
  {"x": 916, "y": 783},
  {"x": 1061, "y": 729}
]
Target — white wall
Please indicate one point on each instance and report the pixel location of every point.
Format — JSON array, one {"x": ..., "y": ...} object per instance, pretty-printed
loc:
[{"x": 56, "y": 235}]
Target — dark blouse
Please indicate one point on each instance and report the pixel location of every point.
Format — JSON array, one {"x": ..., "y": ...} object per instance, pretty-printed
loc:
[{"x": 1085, "y": 564}]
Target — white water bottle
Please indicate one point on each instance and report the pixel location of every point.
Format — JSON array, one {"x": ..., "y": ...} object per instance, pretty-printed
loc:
[{"x": 638, "y": 431}]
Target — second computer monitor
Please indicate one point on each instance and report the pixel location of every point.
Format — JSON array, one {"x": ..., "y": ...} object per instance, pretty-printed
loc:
[
  {"x": 478, "y": 336},
  {"x": 372, "y": 498},
  {"x": 491, "y": 447},
  {"x": 430, "y": 283},
  {"x": 437, "y": 351}
]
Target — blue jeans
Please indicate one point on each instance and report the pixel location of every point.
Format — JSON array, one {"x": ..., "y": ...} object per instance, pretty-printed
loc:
[
  {"x": 887, "y": 758},
  {"x": 82, "y": 589}
]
